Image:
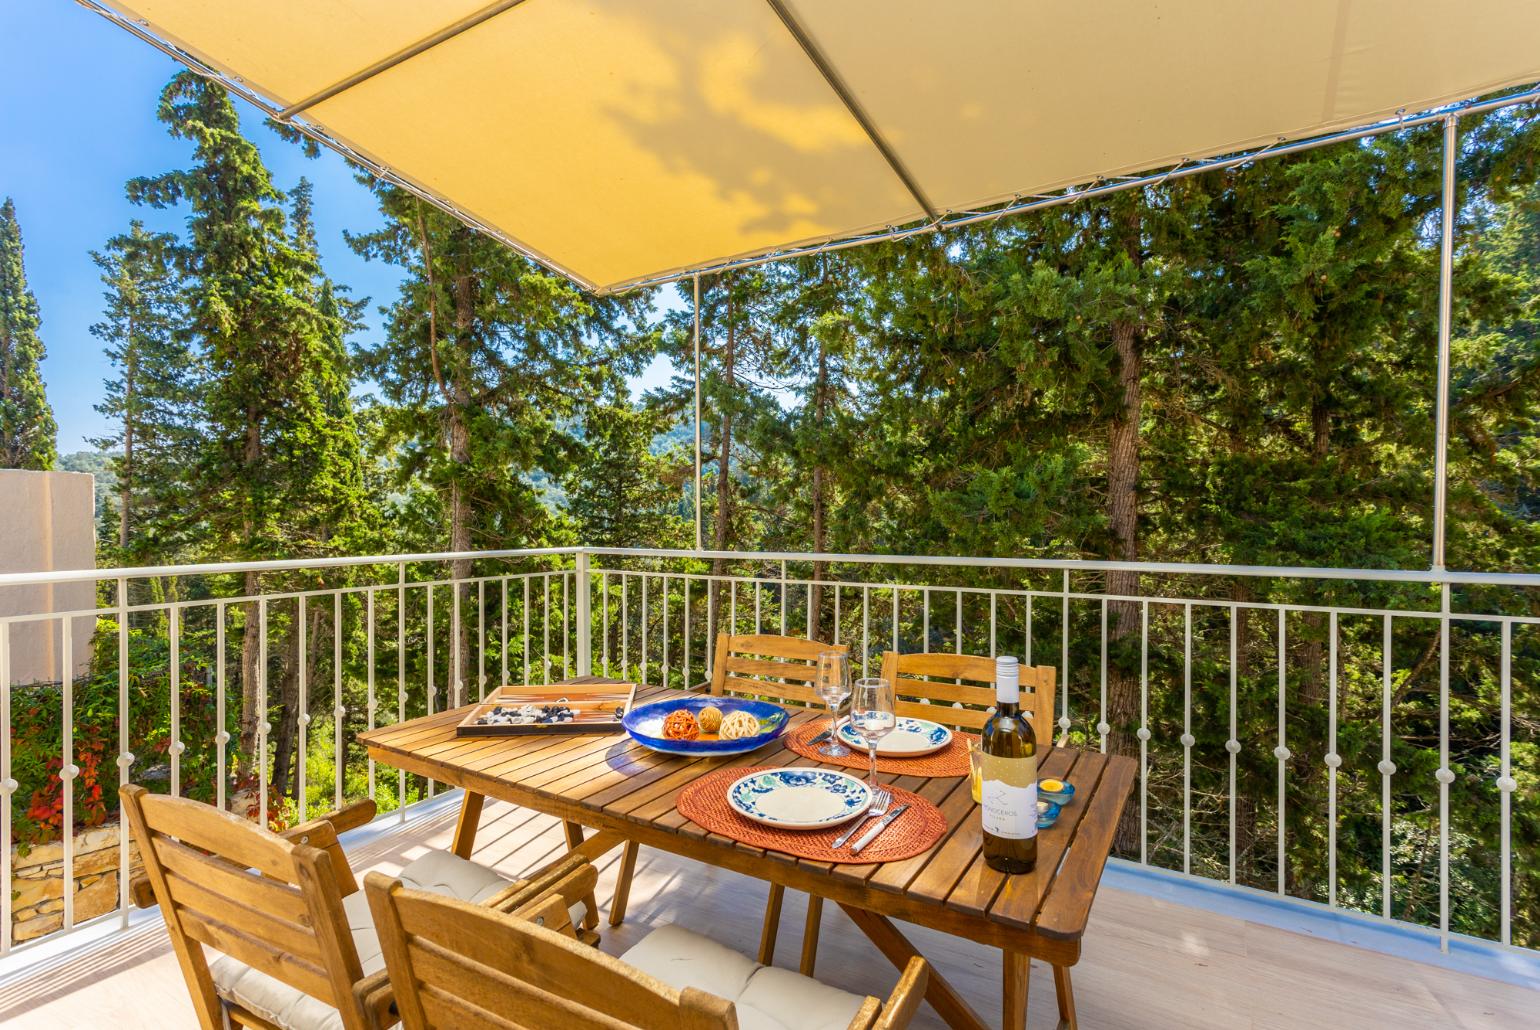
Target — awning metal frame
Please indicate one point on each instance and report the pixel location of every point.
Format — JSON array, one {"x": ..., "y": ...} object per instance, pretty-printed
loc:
[
  {"x": 293, "y": 116},
  {"x": 1448, "y": 115}
]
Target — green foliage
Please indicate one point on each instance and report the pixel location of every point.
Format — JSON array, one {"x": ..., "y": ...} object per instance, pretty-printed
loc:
[
  {"x": 151, "y": 401},
  {"x": 1234, "y": 368}
]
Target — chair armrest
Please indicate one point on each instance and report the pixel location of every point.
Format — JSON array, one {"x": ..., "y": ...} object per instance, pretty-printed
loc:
[
  {"x": 571, "y": 876},
  {"x": 570, "y": 880},
  {"x": 907, "y": 994},
  {"x": 321, "y": 834},
  {"x": 141, "y": 892},
  {"x": 551, "y": 913},
  {"x": 348, "y": 817},
  {"x": 378, "y": 1000}
]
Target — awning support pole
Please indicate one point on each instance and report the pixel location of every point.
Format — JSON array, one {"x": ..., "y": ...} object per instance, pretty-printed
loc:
[
  {"x": 1445, "y": 283},
  {"x": 696, "y": 279}
]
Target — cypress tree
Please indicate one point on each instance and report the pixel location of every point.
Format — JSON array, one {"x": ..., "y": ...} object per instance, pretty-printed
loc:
[
  {"x": 28, "y": 435},
  {"x": 152, "y": 397}
]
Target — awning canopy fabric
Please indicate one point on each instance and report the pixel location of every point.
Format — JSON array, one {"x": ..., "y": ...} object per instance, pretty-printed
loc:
[{"x": 621, "y": 140}]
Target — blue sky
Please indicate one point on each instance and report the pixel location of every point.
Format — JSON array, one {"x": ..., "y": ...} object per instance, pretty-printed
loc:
[{"x": 77, "y": 120}]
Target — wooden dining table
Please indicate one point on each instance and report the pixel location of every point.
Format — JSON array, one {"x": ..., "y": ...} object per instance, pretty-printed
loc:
[{"x": 626, "y": 793}]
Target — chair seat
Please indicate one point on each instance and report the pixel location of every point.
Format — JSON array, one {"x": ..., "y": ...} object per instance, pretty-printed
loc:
[
  {"x": 766, "y": 998},
  {"x": 439, "y": 872}
]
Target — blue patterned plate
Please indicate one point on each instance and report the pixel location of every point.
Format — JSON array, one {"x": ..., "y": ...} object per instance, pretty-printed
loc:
[
  {"x": 910, "y": 738},
  {"x": 645, "y": 724},
  {"x": 799, "y": 799}
]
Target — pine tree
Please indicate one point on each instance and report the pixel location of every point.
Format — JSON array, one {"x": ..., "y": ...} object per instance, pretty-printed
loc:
[
  {"x": 620, "y": 492},
  {"x": 28, "y": 435},
  {"x": 487, "y": 364},
  {"x": 153, "y": 399},
  {"x": 278, "y": 472}
]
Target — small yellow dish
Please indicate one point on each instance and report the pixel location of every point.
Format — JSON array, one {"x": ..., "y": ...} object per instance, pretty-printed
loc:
[{"x": 1052, "y": 786}]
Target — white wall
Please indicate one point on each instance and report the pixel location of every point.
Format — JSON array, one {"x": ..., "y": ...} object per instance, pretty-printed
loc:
[{"x": 47, "y": 522}]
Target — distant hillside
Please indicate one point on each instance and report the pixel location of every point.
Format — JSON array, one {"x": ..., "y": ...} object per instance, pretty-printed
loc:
[{"x": 94, "y": 462}]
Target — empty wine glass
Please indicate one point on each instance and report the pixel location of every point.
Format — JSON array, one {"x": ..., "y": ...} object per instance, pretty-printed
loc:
[
  {"x": 872, "y": 717},
  {"x": 832, "y": 683}
]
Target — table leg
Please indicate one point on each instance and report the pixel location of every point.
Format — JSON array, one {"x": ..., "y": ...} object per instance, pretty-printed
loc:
[
  {"x": 1066, "y": 993},
  {"x": 1017, "y": 977},
  {"x": 943, "y": 997},
  {"x": 623, "y": 883},
  {"x": 465, "y": 826},
  {"x": 590, "y": 904},
  {"x": 810, "y": 934},
  {"x": 772, "y": 927},
  {"x": 599, "y": 845}
]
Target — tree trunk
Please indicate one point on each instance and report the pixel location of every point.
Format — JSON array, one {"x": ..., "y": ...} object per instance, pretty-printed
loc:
[
  {"x": 1123, "y": 512},
  {"x": 459, "y": 507},
  {"x": 251, "y": 715},
  {"x": 1122, "y": 713},
  {"x": 820, "y": 500},
  {"x": 286, "y": 755},
  {"x": 724, "y": 458},
  {"x": 1305, "y": 769}
]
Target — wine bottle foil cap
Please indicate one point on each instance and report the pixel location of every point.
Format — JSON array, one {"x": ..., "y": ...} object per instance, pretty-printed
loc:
[{"x": 1007, "y": 680}]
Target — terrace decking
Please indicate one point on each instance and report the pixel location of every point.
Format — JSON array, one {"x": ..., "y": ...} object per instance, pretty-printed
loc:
[{"x": 1148, "y": 963}]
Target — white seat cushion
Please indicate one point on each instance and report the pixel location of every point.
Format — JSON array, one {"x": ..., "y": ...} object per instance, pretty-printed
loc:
[
  {"x": 439, "y": 872},
  {"x": 766, "y": 998}
]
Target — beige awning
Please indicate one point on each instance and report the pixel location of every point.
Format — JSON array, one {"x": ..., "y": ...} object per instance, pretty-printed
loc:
[{"x": 620, "y": 140}]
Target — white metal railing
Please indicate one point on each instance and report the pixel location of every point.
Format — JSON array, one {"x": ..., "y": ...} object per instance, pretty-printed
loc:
[{"x": 1193, "y": 654}]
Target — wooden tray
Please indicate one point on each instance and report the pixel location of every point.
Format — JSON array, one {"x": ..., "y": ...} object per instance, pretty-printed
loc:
[{"x": 593, "y": 706}]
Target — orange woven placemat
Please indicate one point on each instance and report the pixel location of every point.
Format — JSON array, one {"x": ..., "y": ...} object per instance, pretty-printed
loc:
[
  {"x": 951, "y": 760},
  {"x": 704, "y": 803}
]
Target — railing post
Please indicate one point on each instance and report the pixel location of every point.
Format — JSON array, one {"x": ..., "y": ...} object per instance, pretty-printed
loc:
[{"x": 584, "y": 630}]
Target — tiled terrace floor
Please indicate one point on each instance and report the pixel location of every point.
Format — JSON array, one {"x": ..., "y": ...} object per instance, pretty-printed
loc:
[{"x": 1148, "y": 963}]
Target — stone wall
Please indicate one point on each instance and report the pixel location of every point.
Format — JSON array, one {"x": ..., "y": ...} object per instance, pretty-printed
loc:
[{"x": 37, "y": 899}]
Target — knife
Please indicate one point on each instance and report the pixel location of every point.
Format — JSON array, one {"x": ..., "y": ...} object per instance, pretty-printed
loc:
[
  {"x": 820, "y": 738},
  {"x": 882, "y": 824},
  {"x": 864, "y": 820}
]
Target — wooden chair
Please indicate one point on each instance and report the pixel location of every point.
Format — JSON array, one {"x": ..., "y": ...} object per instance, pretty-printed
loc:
[
  {"x": 457, "y": 965},
  {"x": 782, "y": 668},
  {"x": 927, "y": 687},
  {"x": 298, "y": 946}
]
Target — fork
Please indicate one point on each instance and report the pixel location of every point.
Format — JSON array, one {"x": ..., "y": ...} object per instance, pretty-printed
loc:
[{"x": 881, "y": 799}]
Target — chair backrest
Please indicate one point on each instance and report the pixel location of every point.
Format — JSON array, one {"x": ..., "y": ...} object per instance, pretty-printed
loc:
[
  {"x": 935, "y": 678},
  {"x": 454, "y": 964},
  {"x": 769, "y": 666},
  {"x": 272, "y": 904}
]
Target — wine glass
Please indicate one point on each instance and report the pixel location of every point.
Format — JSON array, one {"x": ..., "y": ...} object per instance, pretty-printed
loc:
[
  {"x": 872, "y": 717},
  {"x": 832, "y": 683}
]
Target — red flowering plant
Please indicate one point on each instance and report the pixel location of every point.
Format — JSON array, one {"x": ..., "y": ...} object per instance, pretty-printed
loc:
[{"x": 37, "y": 737}]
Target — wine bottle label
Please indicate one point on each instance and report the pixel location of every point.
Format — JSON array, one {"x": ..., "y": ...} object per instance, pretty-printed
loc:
[{"x": 1009, "y": 796}]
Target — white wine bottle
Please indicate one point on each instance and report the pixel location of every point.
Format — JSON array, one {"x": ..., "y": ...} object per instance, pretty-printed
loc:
[{"x": 1009, "y": 793}]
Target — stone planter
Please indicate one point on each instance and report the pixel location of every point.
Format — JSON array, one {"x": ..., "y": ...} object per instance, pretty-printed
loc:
[{"x": 37, "y": 885}]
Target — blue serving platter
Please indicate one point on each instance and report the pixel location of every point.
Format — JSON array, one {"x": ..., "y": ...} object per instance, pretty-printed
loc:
[{"x": 645, "y": 724}]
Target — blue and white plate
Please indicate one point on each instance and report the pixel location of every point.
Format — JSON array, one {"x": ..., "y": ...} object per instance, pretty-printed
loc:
[
  {"x": 910, "y": 738},
  {"x": 645, "y": 724},
  {"x": 799, "y": 799}
]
